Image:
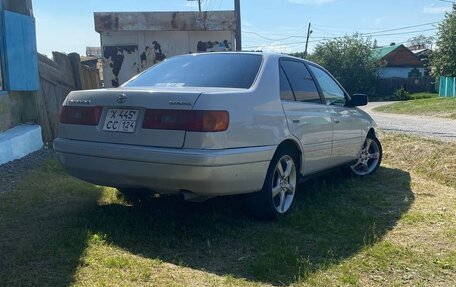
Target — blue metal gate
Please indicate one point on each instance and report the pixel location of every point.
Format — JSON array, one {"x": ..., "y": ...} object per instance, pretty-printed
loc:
[
  {"x": 19, "y": 52},
  {"x": 447, "y": 87}
]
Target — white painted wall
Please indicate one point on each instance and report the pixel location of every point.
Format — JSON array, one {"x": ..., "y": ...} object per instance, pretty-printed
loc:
[
  {"x": 171, "y": 43},
  {"x": 19, "y": 141},
  {"x": 396, "y": 72}
]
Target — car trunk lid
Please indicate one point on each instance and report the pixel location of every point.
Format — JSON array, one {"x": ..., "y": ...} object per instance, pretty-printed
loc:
[{"x": 128, "y": 106}]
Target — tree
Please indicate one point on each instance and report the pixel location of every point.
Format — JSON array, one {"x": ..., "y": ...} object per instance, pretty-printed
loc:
[
  {"x": 444, "y": 58},
  {"x": 351, "y": 62},
  {"x": 420, "y": 42}
]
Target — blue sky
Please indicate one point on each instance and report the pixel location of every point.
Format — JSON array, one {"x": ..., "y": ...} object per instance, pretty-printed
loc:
[{"x": 68, "y": 26}]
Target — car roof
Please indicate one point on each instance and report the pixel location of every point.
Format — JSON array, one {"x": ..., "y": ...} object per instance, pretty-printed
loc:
[{"x": 269, "y": 56}]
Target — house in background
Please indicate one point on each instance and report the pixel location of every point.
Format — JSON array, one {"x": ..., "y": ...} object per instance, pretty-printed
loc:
[
  {"x": 423, "y": 55},
  {"x": 19, "y": 83},
  {"x": 401, "y": 68},
  {"x": 398, "y": 62}
]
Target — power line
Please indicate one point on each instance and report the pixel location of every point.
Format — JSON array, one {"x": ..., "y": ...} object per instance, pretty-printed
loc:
[
  {"x": 352, "y": 28},
  {"x": 199, "y": 4},
  {"x": 326, "y": 32},
  {"x": 270, "y": 39},
  {"x": 380, "y": 35},
  {"x": 402, "y": 33},
  {"x": 363, "y": 34},
  {"x": 333, "y": 38},
  {"x": 210, "y": 5},
  {"x": 402, "y": 28}
]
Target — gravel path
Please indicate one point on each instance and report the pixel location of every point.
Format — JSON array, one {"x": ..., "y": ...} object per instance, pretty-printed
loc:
[
  {"x": 13, "y": 171},
  {"x": 430, "y": 127}
]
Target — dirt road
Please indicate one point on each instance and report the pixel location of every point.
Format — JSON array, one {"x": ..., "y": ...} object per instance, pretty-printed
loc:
[{"x": 430, "y": 127}]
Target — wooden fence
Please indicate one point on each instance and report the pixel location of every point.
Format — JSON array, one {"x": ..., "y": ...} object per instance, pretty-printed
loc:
[
  {"x": 411, "y": 85},
  {"x": 58, "y": 77}
]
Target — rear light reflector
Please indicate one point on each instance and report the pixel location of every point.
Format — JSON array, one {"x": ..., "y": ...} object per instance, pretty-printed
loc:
[
  {"x": 89, "y": 116},
  {"x": 187, "y": 120}
]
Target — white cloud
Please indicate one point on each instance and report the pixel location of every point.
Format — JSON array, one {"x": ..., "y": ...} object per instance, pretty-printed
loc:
[
  {"x": 274, "y": 48},
  {"x": 432, "y": 9},
  {"x": 311, "y": 2}
]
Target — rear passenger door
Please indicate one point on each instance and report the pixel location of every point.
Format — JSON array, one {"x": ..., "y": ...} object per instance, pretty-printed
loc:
[
  {"x": 347, "y": 134},
  {"x": 308, "y": 118}
]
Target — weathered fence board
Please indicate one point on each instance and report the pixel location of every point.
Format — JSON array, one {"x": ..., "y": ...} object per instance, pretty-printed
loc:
[
  {"x": 58, "y": 77},
  {"x": 412, "y": 85},
  {"x": 90, "y": 77}
]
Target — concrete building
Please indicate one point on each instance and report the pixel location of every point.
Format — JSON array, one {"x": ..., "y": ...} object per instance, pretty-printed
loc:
[
  {"x": 133, "y": 41},
  {"x": 18, "y": 80}
]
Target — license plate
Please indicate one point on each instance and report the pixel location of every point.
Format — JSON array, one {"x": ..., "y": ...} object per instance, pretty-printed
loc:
[{"x": 121, "y": 120}]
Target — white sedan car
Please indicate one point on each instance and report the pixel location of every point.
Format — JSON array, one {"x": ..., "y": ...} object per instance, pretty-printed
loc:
[{"x": 219, "y": 124}]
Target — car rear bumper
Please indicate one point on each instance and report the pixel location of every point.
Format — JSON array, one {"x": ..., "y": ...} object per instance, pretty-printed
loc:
[{"x": 167, "y": 170}]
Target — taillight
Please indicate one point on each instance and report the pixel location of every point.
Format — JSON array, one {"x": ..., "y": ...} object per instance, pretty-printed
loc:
[
  {"x": 89, "y": 116},
  {"x": 187, "y": 120}
]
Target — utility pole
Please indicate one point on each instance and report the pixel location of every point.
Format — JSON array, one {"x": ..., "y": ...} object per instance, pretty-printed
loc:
[
  {"x": 238, "y": 36},
  {"x": 307, "y": 40},
  {"x": 199, "y": 4}
]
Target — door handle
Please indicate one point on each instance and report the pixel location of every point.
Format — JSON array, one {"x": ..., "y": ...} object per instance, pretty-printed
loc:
[
  {"x": 296, "y": 121},
  {"x": 336, "y": 121}
]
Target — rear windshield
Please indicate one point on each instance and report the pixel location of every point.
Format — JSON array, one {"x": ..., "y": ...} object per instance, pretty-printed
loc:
[{"x": 209, "y": 70}]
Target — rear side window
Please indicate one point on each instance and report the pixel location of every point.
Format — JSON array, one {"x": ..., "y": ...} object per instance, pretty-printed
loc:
[
  {"x": 208, "y": 70},
  {"x": 286, "y": 93},
  {"x": 301, "y": 81}
]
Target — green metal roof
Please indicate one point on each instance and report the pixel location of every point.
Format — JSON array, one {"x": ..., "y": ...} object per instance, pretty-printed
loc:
[{"x": 379, "y": 53}]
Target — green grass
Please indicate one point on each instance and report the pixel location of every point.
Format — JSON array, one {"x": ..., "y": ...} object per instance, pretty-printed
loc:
[
  {"x": 437, "y": 107},
  {"x": 416, "y": 96},
  {"x": 395, "y": 228}
]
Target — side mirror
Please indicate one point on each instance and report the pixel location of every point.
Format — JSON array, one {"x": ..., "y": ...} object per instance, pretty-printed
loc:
[{"x": 359, "y": 100}]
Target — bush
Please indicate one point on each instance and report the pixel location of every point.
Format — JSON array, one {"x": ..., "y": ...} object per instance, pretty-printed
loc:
[{"x": 402, "y": 95}]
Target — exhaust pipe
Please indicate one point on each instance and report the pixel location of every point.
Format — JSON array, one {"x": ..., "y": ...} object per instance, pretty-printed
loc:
[{"x": 187, "y": 195}]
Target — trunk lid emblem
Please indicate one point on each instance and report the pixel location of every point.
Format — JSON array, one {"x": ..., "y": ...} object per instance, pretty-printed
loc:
[
  {"x": 179, "y": 103},
  {"x": 121, "y": 99}
]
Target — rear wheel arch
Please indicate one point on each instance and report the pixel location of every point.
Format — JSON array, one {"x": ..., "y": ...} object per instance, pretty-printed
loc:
[
  {"x": 292, "y": 145},
  {"x": 276, "y": 196}
]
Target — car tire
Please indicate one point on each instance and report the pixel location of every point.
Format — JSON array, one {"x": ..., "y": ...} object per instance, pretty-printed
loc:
[
  {"x": 276, "y": 196},
  {"x": 134, "y": 195},
  {"x": 369, "y": 159}
]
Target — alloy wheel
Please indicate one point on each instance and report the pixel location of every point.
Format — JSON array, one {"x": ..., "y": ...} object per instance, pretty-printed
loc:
[
  {"x": 368, "y": 159},
  {"x": 284, "y": 184}
]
